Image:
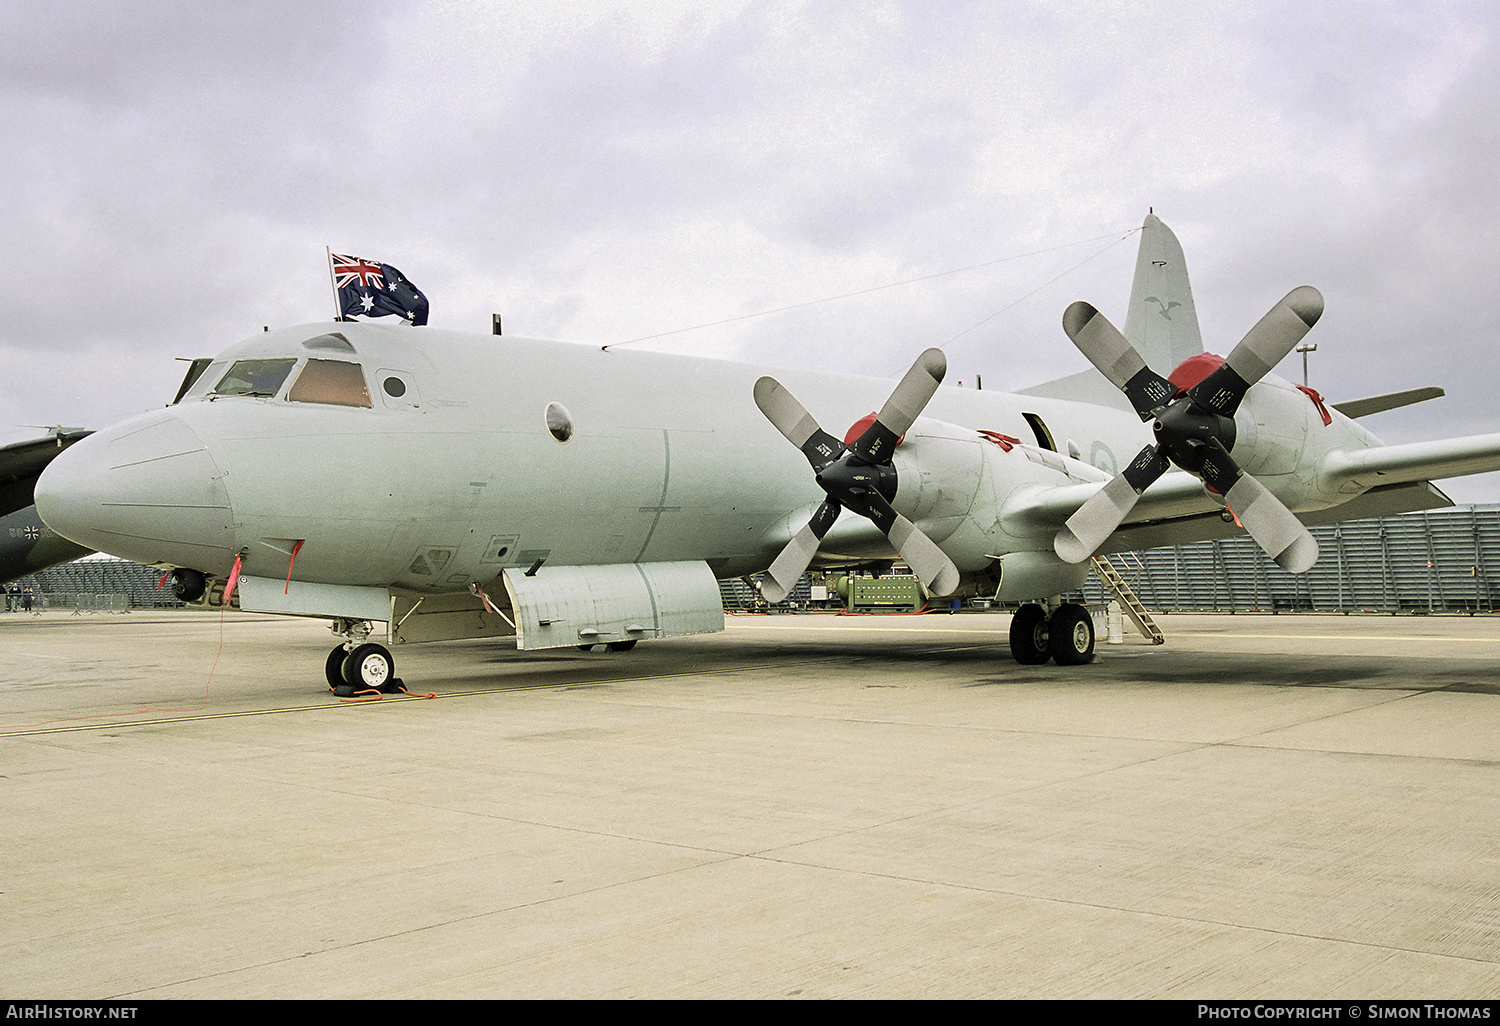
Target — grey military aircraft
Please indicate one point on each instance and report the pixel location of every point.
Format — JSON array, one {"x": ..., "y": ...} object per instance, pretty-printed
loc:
[
  {"x": 457, "y": 486},
  {"x": 27, "y": 545}
]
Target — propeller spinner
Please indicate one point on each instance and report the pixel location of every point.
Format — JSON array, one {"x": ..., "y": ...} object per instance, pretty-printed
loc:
[
  {"x": 1194, "y": 431},
  {"x": 858, "y": 477}
]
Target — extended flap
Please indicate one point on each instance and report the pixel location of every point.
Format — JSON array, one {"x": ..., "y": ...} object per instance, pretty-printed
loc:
[{"x": 584, "y": 605}]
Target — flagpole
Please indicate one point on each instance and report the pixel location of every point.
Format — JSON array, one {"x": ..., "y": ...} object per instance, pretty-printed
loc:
[{"x": 338, "y": 311}]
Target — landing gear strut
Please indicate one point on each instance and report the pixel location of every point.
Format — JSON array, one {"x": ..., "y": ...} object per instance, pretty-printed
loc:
[
  {"x": 360, "y": 666},
  {"x": 1066, "y": 636}
]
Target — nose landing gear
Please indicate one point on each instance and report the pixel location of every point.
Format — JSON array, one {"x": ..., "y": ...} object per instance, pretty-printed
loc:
[{"x": 360, "y": 667}]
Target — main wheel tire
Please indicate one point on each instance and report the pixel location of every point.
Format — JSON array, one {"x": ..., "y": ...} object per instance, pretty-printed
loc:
[
  {"x": 621, "y": 646},
  {"x": 334, "y": 668},
  {"x": 1029, "y": 635},
  {"x": 1072, "y": 635},
  {"x": 369, "y": 667}
]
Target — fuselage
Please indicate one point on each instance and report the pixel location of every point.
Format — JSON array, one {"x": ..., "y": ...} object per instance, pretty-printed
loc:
[{"x": 448, "y": 457}]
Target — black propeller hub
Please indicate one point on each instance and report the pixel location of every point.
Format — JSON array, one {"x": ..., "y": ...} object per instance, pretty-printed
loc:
[
  {"x": 1185, "y": 432},
  {"x": 849, "y": 480}
]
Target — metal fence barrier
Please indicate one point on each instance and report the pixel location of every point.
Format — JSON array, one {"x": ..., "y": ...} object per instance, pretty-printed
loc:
[{"x": 1437, "y": 561}]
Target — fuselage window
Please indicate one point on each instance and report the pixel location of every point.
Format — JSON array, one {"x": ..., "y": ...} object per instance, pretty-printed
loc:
[
  {"x": 254, "y": 377},
  {"x": 331, "y": 382},
  {"x": 559, "y": 421},
  {"x": 394, "y": 387}
]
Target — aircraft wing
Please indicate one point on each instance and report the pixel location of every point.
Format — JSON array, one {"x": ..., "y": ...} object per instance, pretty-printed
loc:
[
  {"x": 1176, "y": 494},
  {"x": 21, "y": 463},
  {"x": 1414, "y": 461}
]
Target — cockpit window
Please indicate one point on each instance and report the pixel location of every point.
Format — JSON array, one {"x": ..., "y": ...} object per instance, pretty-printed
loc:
[
  {"x": 254, "y": 377},
  {"x": 331, "y": 382}
]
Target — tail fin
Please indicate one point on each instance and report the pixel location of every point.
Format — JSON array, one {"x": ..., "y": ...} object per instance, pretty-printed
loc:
[{"x": 1162, "y": 322}]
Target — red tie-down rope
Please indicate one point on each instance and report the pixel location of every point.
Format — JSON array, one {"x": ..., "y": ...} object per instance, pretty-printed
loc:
[{"x": 295, "y": 549}]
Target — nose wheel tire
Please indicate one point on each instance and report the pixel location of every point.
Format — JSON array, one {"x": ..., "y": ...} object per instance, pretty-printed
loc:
[
  {"x": 1071, "y": 635},
  {"x": 334, "y": 668},
  {"x": 1029, "y": 635},
  {"x": 368, "y": 667}
]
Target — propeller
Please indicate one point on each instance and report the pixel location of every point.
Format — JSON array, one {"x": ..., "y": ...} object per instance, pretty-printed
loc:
[
  {"x": 858, "y": 477},
  {"x": 1194, "y": 430}
]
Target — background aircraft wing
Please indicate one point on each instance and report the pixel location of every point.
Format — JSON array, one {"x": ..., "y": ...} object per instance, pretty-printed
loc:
[
  {"x": 26, "y": 545},
  {"x": 21, "y": 463}
]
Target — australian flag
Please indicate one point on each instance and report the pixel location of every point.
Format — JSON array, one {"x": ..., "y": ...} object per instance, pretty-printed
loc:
[{"x": 368, "y": 289}]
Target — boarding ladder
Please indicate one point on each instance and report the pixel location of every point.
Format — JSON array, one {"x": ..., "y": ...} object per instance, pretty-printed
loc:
[{"x": 1120, "y": 589}]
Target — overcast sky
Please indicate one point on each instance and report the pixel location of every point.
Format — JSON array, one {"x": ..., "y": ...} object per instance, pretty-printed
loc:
[{"x": 600, "y": 172}]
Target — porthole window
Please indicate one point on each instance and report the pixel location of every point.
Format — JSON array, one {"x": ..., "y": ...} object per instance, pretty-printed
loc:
[
  {"x": 559, "y": 421},
  {"x": 394, "y": 387}
]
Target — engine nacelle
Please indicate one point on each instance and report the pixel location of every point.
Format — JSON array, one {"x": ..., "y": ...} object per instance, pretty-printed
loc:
[
  {"x": 954, "y": 482},
  {"x": 1282, "y": 440}
]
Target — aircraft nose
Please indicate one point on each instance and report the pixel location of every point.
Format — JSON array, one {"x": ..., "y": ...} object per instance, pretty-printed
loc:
[{"x": 146, "y": 490}]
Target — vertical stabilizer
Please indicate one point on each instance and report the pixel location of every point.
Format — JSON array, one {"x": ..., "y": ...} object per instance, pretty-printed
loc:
[{"x": 1162, "y": 322}]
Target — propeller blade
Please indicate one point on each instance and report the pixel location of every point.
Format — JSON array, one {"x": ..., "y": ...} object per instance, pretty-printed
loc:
[
  {"x": 1106, "y": 509},
  {"x": 1263, "y": 347},
  {"x": 904, "y": 406},
  {"x": 793, "y": 560},
  {"x": 1272, "y": 525},
  {"x": 930, "y": 563},
  {"x": 1266, "y": 519},
  {"x": 1114, "y": 356},
  {"x": 789, "y": 417}
]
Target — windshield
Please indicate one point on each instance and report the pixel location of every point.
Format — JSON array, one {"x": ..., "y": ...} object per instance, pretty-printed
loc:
[{"x": 254, "y": 377}]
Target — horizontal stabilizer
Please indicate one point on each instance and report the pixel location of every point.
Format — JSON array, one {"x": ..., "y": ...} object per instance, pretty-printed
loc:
[
  {"x": 1415, "y": 461},
  {"x": 1356, "y": 408}
]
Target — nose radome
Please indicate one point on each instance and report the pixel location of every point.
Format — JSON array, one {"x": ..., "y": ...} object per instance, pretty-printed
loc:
[{"x": 146, "y": 490}]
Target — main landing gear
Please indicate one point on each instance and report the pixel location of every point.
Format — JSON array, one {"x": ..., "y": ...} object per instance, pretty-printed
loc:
[
  {"x": 1066, "y": 636},
  {"x": 359, "y": 666}
]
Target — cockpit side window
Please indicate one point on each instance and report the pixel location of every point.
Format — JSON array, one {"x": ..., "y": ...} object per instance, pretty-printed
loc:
[
  {"x": 254, "y": 377},
  {"x": 332, "y": 382}
]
